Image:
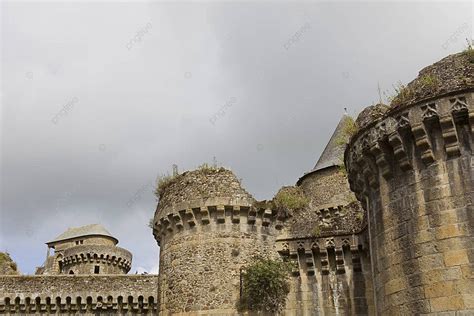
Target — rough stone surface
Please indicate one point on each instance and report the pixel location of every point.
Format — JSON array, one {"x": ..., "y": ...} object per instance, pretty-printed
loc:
[
  {"x": 413, "y": 171},
  {"x": 202, "y": 184},
  {"x": 208, "y": 229},
  {"x": 370, "y": 114},
  {"x": 333, "y": 208}
]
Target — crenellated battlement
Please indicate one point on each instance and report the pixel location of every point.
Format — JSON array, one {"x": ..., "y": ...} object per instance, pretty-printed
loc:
[
  {"x": 412, "y": 137},
  {"x": 194, "y": 219},
  {"x": 98, "y": 254},
  {"x": 410, "y": 166},
  {"x": 79, "y": 304},
  {"x": 86, "y": 294}
]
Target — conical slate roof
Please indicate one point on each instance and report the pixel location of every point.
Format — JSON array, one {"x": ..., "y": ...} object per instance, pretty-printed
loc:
[
  {"x": 88, "y": 230},
  {"x": 334, "y": 151}
]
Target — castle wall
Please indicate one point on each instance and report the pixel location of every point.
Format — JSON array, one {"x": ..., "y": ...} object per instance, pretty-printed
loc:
[
  {"x": 332, "y": 276},
  {"x": 87, "y": 295},
  {"x": 327, "y": 240},
  {"x": 413, "y": 171}
]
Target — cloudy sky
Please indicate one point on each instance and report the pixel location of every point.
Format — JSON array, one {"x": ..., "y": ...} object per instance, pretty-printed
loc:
[{"x": 99, "y": 98}]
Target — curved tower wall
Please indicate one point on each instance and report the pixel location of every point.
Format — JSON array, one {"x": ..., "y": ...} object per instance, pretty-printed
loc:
[
  {"x": 96, "y": 259},
  {"x": 207, "y": 228},
  {"x": 413, "y": 171}
]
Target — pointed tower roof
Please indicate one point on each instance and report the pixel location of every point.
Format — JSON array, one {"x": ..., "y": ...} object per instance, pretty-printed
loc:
[
  {"x": 332, "y": 154},
  {"x": 334, "y": 150},
  {"x": 88, "y": 230}
]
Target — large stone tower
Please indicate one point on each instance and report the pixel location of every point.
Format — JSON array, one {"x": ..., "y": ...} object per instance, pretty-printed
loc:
[
  {"x": 89, "y": 249},
  {"x": 411, "y": 167},
  {"x": 208, "y": 227}
]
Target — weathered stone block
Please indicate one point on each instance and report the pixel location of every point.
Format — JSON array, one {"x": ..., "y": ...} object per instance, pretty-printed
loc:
[
  {"x": 456, "y": 257},
  {"x": 395, "y": 285},
  {"x": 447, "y": 303},
  {"x": 445, "y": 288}
]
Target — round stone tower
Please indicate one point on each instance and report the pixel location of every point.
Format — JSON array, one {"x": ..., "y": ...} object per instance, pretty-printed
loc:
[
  {"x": 89, "y": 249},
  {"x": 208, "y": 227},
  {"x": 412, "y": 169}
]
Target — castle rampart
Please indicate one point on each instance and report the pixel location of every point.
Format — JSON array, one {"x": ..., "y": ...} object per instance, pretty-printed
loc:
[
  {"x": 410, "y": 166},
  {"x": 83, "y": 294}
]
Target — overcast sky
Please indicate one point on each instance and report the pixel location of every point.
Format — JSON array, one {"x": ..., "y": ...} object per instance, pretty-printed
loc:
[{"x": 99, "y": 98}]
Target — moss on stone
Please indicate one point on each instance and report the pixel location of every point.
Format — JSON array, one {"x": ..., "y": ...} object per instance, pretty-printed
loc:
[
  {"x": 162, "y": 182},
  {"x": 348, "y": 130},
  {"x": 451, "y": 73},
  {"x": 290, "y": 198},
  {"x": 469, "y": 52},
  {"x": 165, "y": 180},
  {"x": 7, "y": 265},
  {"x": 263, "y": 205}
]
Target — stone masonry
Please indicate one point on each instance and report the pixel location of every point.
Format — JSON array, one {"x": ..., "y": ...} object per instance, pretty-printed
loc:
[
  {"x": 411, "y": 167},
  {"x": 208, "y": 228},
  {"x": 79, "y": 294}
]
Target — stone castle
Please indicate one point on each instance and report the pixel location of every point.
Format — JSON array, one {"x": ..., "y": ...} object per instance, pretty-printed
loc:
[{"x": 389, "y": 234}]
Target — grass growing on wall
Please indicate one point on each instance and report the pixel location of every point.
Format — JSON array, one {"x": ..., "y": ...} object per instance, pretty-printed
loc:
[
  {"x": 469, "y": 51},
  {"x": 163, "y": 181},
  {"x": 289, "y": 199},
  {"x": 5, "y": 260},
  {"x": 265, "y": 286}
]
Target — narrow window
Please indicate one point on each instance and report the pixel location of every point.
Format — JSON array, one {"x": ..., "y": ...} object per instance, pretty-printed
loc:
[
  {"x": 71, "y": 272},
  {"x": 96, "y": 269}
]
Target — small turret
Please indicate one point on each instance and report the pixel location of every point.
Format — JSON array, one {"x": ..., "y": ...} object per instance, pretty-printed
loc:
[{"x": 89, "y": 249}]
